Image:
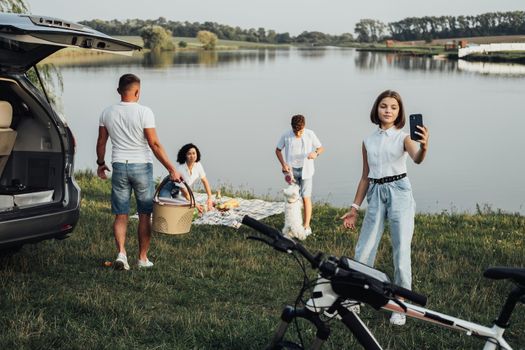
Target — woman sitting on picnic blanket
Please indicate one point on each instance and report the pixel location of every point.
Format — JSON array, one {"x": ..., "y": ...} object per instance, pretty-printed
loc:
[{"x": 191, "y": 169}]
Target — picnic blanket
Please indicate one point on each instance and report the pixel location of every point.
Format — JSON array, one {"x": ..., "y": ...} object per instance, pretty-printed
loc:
[{"x": 256, "y": 208}]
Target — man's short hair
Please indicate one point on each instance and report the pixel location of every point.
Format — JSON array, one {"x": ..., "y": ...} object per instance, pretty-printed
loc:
[
  {"x": 298, "y": 122},
  {"x": 126, "y": 81}
]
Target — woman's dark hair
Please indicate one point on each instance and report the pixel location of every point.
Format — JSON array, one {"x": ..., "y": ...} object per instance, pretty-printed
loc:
[
  {"x": 298, "y": 122},
  {"x": 374, "y": 115},
  {"x": 181, "y": 156}
]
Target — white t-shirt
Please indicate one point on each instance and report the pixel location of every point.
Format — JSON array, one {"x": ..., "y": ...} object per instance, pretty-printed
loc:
[
  {"x": 125, "y": 123},
  {"x": 297, "y": 155},
  {"x": 197, "y": 172},
  {"x": 386, "y": 155},
  {"x": 310, "y": 143}
]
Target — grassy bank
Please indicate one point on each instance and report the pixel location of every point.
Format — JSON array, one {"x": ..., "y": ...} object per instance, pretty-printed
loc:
[
  {"x": 212, "y": 289},
  {"x": 410, "y": 50},
  {"x": 437, "y": 47}
]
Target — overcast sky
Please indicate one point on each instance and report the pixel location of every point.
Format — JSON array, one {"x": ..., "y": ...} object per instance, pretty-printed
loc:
[{"x": 293, "y": 16}]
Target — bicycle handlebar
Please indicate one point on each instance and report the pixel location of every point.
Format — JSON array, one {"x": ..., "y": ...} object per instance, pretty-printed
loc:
[
  {"x": 262, "y": 228},
  {"x": 279, "y": 242},
  {"x": 283, "y": 244},
  {"x": 410, "y": 295}
]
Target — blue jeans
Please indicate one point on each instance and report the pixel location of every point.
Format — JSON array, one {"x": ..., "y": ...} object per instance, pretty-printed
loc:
[
  {"x": 392, "y": 201},
  {"x": 304, "y": 184},
  {"x": 132, "y": 176}
]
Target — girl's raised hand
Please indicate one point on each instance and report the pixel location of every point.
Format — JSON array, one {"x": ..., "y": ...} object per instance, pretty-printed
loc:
[
  {"x": 349, "y": 219},
  {"x": 423, "y": 133}
]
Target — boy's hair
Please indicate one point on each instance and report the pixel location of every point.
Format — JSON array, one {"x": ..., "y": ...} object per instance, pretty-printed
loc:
[
  {"x": 181, "y": 156},
  {"x": 374, "y": 116},
  {"x": 126, "y": 81},
  {"x": 298, "y": 122}
]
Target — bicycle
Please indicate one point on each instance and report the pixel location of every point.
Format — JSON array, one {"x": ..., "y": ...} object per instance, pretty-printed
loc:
[{"x": 343, "y": 283}]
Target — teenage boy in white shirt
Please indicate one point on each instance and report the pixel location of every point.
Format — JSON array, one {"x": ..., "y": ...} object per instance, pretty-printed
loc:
[{"x": 301, "y": 147}]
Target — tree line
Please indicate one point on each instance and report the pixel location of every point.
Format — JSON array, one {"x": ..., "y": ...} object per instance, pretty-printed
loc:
[
  {"x": 190, "y": 29},
  {"x": 442, "y": 27},
  {"x": 366, "y": 30}
]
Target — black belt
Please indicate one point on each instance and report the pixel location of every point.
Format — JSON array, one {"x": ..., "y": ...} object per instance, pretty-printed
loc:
[{"x": 387, "y": 179}]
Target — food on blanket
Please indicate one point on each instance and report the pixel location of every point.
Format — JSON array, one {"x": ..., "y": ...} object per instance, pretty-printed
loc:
[
  {"x": 108, "y": 263},
  {"x": 229, "y": 204}
]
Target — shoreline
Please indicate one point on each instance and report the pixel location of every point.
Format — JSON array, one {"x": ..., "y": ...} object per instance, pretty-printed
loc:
[
  {"x": 80, "y": 55},
  {"x": 441, "y": 53}
]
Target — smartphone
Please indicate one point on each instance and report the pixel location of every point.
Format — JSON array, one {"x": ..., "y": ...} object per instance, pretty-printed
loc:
[{"x": 415, "y": 120}]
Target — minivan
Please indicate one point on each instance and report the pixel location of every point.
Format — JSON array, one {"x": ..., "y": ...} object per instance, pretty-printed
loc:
[{"x": 39, "y": 198}]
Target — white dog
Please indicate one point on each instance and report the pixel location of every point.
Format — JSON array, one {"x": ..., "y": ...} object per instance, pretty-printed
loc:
[{"x": 293, "y": 220}]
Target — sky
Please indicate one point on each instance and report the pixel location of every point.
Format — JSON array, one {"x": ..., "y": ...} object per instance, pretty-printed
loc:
[{"x": 293, "y": 16}]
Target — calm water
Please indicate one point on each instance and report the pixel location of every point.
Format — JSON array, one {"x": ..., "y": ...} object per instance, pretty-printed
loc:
[{"x": 235, "y": 105}]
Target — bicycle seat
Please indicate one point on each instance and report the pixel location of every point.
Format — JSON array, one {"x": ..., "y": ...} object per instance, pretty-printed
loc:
[{"x": 513, "y": 273}]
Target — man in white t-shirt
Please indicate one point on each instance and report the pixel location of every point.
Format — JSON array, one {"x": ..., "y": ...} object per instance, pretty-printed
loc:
[
  {"x": 301, "y": 147},
  {"x": 131, "y": 128}
]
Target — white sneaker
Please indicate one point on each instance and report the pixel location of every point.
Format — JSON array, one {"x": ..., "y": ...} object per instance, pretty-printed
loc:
[
  {"x": 398, "y": 319},
  {"x": 144, "y": 264},
  {"x": 121, "y": 263},
  {"x": 307, "y": 231}
]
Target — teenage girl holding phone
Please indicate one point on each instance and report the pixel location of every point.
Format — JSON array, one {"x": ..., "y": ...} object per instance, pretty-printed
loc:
[{"x": 385, "y": 184}]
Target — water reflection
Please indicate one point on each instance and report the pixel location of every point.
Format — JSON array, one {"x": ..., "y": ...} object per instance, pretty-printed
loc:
[
  {"x": 488, "y": 68},
  {"x": 374, "y": 60},
  {"x": 312, "y": 52},
  {"x": 368, "y": 61},
  {"x": 364, "y": 60},
  {"x": 167, "y": 59}
]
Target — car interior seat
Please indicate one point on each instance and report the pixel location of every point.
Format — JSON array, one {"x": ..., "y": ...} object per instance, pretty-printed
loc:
[{"x": 7, "y": 135}]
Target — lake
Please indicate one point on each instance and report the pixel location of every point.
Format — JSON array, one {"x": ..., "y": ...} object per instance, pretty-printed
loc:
[{"x": 234, "y": 105}]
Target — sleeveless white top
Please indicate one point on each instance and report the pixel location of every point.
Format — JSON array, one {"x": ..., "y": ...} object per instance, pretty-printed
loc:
[{"x": 386, "y": 153}]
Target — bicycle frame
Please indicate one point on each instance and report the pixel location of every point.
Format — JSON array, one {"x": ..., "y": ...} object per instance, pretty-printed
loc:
[
  {"x": 330, "y": 301},
  {"x": 357, "y": 282}
]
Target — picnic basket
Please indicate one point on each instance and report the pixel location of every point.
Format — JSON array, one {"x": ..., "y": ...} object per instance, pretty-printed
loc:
[{"x": 172, "y": 218}]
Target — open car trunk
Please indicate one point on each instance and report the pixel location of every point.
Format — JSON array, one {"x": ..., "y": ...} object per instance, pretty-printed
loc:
[
  {"x": 41, "y": 160},
  {"x": 33, "y": 175}
]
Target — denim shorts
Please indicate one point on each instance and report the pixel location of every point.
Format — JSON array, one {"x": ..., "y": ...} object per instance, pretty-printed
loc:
[
  {"x": 304, "y": 184},
  {"x": 132, "y": 176}
]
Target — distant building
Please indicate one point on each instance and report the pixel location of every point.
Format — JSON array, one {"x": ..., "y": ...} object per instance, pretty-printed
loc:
[{"x": 451, "y": 45}]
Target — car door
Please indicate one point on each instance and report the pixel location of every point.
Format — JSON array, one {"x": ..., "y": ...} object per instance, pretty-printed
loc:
[{"x": 27, "y": 39}]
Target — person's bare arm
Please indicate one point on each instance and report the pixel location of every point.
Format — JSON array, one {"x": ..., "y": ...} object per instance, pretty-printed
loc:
[
  {"x": 285, "y": 167},
  {"x": 101, "y": 151},
  {"x": 417, "y": 153},
  {"x": 207, "y": 187},
  {"x": 160, "y": 153},
  {"x": 350, "y": 218}
]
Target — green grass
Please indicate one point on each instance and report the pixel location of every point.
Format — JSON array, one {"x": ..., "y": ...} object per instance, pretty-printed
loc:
[{"x": 213, "y": 289}]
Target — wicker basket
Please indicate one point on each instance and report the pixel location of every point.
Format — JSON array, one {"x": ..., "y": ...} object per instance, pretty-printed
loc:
[{"x": 171, "y": 218}]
